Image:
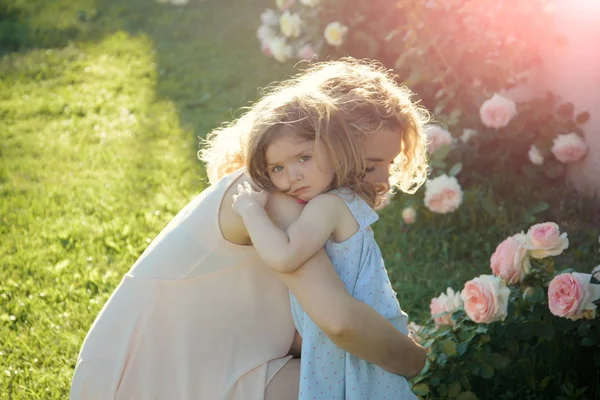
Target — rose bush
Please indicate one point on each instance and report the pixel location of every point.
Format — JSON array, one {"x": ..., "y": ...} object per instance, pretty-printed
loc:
[
  {"x": 512, "y": 322},
  {"x": 497, "y": 163}
]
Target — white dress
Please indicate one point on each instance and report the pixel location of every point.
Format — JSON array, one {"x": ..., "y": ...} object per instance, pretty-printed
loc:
[
  {"x": 328, "y": 372},
  {"x": 196, "y": 317}
]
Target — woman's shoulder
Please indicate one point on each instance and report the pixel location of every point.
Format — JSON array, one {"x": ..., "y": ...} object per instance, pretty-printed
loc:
[{"x": 231, "y": 224}]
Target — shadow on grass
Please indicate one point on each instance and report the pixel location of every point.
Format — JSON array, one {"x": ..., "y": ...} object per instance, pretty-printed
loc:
[{"x": 208, "y": 61}]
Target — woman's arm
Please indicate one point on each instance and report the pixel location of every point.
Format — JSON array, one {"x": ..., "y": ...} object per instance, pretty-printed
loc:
[{"x": 349, "y": 323}]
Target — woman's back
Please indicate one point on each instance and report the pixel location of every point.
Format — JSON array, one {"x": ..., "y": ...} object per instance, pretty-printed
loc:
[{"x": 195, "y": 317}]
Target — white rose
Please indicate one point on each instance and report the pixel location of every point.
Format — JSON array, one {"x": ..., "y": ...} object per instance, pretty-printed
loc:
[
  {"x": 291, "y": 24},
  {"x": 269, "y": 17},
  {"x": 569, "y": 147},
  {"x": 280, "y": 49},
  {"x": 310, "y": 3},
  {"x": 265, "y": 33},
  {"x": 335, "y": 32},
  {"x": 443, "y": 194},
  {"x": 535, "y": 155},
  {"x": 409, "y": 215}
]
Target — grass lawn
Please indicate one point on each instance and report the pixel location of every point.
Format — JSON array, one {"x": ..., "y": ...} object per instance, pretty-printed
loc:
[
  {"x": 102, "y": 103},
  {"x": 101, "y": 110}
]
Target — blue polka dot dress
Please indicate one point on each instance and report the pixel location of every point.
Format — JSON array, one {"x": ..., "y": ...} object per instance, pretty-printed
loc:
[{"x": 326, "y": 371}]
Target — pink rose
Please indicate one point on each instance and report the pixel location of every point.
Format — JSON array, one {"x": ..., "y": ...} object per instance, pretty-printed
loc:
[
  {"x": 510, "y": 261},
  {"x": 497, "y": 112},
  {"x": 306, "y": 52},
  {"x": 569, "y": 148},
  {"x": 545, "y": 240},
  {"x": 443, "y": 194},
  {"x": 437, "y": 137},
  {"x": 568, "y": 294},
  {"x": 485, "y": 299},
  {"x": 266, "y": 49},
  {"x": 409, "y": 215},
  {"x": 443, "y": 306}
]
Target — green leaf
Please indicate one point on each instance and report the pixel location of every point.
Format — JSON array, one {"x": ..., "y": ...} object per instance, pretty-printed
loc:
[
  {"x": 539, "y": 207},
  {"x": 544, "y": 383},
  {"x": 454, "y": 389},
  {"x": 489, "y": 206},
  {"x": 454, "y": 116},
  {"x": 487, "y": 371},
  {"x": 441, "y": 153},
  {"x": 467, "y": 396},
  {"x": 443, "y": 330},
  {"x": 466, "y": 335},
  {"x": 448, "y": 347},
  {"x": 421, "y": 389},
  {"x": 588, "y": 341},
  {"x": 498, "y": 361},
  {"x": 544, "y": 330},
  {"x": 462, "y": 348},
  {"x": 456, "y": 168}
]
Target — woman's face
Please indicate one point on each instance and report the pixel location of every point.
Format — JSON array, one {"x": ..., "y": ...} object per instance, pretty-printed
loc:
[{"x": 381, "y": 149}]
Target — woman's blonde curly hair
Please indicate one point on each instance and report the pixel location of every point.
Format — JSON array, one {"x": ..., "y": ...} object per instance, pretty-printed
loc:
[{"x": 338, "y": 102}]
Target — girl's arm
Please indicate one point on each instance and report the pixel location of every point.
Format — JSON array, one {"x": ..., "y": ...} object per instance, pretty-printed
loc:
[
  {"x": 285, "y": 250},
  {"x": 350, "y": 324}
]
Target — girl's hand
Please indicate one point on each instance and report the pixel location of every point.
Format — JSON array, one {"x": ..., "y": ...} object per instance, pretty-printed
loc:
[{"x": 247, "y": 197}]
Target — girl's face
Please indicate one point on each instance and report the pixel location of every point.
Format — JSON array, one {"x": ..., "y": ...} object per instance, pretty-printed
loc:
[
  {"x": 299, "y": 168},
  {"x": 381, "y": 149}
]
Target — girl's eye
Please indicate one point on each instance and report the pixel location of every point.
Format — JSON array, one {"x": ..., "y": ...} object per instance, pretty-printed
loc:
[
  {"x": 304, "y": 159},
  {"x": 277, "y": 168},
  {"x": 369, "y": 170}
]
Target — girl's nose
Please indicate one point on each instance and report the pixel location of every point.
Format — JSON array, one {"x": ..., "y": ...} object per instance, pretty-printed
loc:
[{"x": 294, "y": 174}]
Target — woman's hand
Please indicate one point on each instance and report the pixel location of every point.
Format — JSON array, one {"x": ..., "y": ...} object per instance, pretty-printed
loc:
[{"x": 247, "y": 197}]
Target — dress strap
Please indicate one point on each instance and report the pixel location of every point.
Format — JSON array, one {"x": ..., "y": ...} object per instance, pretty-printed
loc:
[
  {"x": 359, "y": 208},
  {"x": 234, "y": 177}
]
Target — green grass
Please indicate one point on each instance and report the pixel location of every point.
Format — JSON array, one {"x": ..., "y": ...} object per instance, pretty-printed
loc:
[
  {"x": 101, "y": 106},
  {"x": 101, "y": 109}
]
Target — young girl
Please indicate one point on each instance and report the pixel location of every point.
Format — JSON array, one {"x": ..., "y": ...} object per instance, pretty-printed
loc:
[{"x": 310, "y": 149}]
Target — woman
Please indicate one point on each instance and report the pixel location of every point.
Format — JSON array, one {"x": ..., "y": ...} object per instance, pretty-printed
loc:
[{"x": 199, "y": 316}]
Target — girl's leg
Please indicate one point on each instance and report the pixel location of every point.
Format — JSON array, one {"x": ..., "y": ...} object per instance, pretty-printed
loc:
[{"x": 285, "y": 383}]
